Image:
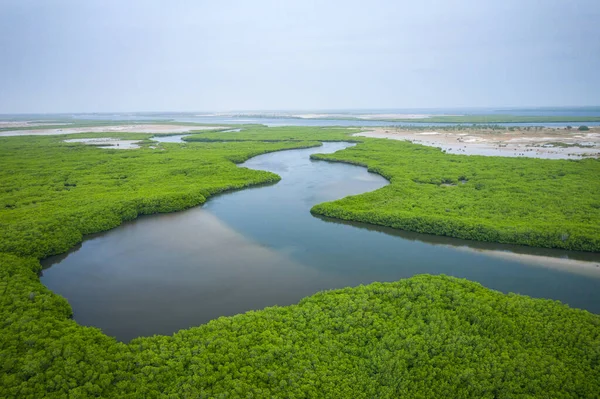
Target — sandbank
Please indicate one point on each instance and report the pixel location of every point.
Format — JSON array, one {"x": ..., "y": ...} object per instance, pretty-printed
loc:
[
  {"x": 133, "y": 128},
  {"x": 548, "y": 143}
]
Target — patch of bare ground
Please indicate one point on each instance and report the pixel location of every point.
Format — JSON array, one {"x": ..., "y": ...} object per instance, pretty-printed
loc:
[
  {"x": 19, "y": 124},
  {"x": 133, "y": 128},
  {"x": 541, "y": 142}
]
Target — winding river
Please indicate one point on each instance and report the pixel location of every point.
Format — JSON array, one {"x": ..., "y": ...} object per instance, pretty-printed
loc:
[{"x": 259, "y": 247}]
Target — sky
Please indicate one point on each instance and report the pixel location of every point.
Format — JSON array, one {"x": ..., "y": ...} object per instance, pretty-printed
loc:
[{"x": 150, "y": 55}]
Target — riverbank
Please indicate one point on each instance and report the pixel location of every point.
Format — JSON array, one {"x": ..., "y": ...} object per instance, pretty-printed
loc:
[
  {"x": 584, "y": 268},
  {"x": 546, "y": 143}
]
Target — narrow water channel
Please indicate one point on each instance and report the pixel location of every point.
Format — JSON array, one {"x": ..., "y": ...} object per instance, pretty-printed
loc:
[{"x": 261, "y": 247}]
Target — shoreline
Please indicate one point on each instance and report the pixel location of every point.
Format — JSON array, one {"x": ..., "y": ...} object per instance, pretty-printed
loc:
[{"x": 582, "y": 267}]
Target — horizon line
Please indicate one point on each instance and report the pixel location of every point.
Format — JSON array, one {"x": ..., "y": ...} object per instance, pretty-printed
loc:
[{"x": 506, "y": 108}]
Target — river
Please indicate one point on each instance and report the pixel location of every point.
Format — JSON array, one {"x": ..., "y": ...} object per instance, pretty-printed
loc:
[{"x": 259, "y": 247}]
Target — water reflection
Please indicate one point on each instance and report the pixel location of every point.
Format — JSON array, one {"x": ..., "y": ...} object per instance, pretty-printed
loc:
[
  {"x": 176, "y": 138},
  {"x": 578, "y": 262},
  {"x": 167, "y": 279}
]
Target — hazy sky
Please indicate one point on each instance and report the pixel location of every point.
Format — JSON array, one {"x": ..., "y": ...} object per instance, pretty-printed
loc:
[{"x": 98, "y": 55}]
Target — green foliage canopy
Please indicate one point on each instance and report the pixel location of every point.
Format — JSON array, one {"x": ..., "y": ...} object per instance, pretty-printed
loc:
[
  {"x": 537, "y": 202},
  {"x": 52, "y": 192}
]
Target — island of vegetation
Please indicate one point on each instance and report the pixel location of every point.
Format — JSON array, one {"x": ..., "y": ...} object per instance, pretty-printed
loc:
[
  {"x": 536, "y": 202},
  {"x": 427, "y": 336}
]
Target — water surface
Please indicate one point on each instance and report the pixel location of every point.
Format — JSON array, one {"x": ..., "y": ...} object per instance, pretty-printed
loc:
[
  {"x": 284, "y": 120},
  {"x": 260, "y": 247}
]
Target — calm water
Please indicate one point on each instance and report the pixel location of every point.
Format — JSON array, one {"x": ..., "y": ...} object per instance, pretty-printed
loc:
[
  {"x": 196, "y": 117},
  {"x": 286, "y": 121},
  {"x": 261, "y": 247}
]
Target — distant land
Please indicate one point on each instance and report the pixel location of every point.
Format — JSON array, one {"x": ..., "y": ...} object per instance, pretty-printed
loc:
[
  {"x": 414, "y": 114},
  {"x": 546, "y": 116}
]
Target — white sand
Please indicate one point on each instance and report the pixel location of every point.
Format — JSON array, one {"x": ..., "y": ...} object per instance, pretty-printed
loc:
[
  {"x": 11, "y": 124},
  {"x": 532, "y": 144},
  {"x": 135, "y": 128}
]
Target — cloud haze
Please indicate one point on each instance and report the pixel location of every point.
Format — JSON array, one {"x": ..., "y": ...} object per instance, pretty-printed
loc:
[{"x": 100, "y": 56}]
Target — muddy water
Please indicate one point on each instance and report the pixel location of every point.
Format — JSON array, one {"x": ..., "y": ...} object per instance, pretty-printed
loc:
[{"x": 261, "y": 247}]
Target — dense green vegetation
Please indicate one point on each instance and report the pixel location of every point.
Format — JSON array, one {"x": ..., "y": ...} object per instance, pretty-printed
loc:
[
  {"x": 51, "y": 192},
  {"x": 417, "y": 338},
  {"x": 546, "y": 203},
  {"x": 293, "y": 133}
]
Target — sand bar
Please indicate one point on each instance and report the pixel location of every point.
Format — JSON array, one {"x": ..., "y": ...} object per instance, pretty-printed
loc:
[
  {"x": 11, "y": 124},
  {"x": 586, "y": 268},
  {"x": 134, "y": 128},
  {"x": 548, "y": 143}
]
